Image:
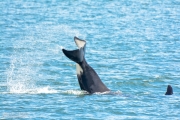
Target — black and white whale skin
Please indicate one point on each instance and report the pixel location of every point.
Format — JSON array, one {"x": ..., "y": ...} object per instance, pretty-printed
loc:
[
  {"x": 87, "y": 77},
  {"x": 169, "y": 90}
]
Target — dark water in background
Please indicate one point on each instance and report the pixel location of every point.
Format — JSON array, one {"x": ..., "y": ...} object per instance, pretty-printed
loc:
[{"x": 132, "y": 45}]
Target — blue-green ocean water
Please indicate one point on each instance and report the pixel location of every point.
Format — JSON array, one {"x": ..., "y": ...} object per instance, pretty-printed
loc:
[{"x": 134, "y": 46}]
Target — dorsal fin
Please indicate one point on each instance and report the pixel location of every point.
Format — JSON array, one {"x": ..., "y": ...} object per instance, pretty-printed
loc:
[{"x": 169, "y": 90}]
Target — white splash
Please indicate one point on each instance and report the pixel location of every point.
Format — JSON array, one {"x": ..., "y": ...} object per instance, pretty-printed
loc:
[
  {"x": 44, "y": 90},
  {"x": 109, "y": 93},
  {"x": 76, "y": 92},
  {"x": 20, "y": 80},
  {"x": 21, "y": 88}
]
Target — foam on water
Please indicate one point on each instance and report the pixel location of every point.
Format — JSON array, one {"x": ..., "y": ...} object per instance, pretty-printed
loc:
[
  {"x": 21, "y": 79},
  {"x": 81, "y": 92},
  {"x": 75, "y": 92},
  {"x": 24, "y": 86},
  {"x": 21, "y": 88}
]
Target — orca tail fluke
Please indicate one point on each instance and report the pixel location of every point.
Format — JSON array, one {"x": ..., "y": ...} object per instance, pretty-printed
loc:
[
  {"x": 75, "y": 55},
  {"x": 169, "y": 90},
  {"x": 80, "y": 43}
]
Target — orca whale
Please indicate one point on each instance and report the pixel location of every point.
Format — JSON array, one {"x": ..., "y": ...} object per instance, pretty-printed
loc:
[
  {"x": 87, "y": 77},
  {"x": 169, "y": 90}
]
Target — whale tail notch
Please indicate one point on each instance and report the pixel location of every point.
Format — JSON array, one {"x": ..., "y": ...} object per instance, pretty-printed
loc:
[{"x": 78, "y": 54}]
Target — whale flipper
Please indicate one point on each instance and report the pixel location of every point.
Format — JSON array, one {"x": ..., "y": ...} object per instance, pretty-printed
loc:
[
  {"x": 87, "y": 77},
  {"x": 169, "y": 90}
]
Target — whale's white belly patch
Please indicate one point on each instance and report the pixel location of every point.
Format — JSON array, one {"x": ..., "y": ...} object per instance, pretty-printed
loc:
[{"x": 79, "y": 70}]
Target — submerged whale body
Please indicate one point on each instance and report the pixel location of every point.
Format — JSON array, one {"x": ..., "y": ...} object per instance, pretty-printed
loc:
[
  {"x": 169, "y": 90},
  {"x": 87, "y": 77}
]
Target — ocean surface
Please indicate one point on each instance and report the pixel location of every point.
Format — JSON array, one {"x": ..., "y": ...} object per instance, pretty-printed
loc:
[{"x": 134, "y": 46}]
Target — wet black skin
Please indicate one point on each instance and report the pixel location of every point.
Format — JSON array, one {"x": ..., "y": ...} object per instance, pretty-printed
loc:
[
  {"x": 89, "y": 80},
  {"x": 169, "y": 90}
]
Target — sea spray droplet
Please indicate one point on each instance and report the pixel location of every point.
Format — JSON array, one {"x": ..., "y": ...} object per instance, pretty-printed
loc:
[{"x": 61, "y": 47}]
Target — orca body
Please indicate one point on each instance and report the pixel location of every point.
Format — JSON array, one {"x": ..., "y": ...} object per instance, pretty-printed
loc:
[
  {"x": 87, "y": 77},
  {"x": 169, "y": 90}
]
